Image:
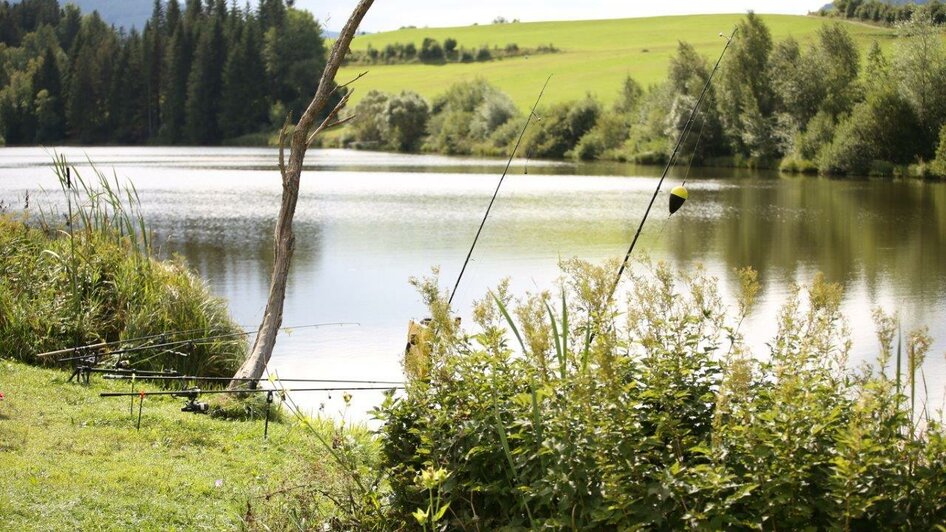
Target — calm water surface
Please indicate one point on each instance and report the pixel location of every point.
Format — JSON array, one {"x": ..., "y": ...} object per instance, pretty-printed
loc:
[{"x": 366, "y": 222}]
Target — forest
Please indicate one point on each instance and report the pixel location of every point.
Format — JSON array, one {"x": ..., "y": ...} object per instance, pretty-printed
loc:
[
  {"x": 879, "y": 12},
  {"x": 195, "y": 74}
]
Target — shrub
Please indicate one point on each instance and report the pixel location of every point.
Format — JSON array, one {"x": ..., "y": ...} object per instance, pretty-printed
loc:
[
  {"x": 561, "y": 127},
  {"x": 369, "y": 127},
  {"x": 658, "y": 416},
  {"x": 794, "y": 165},
  {"x": 939, "y": 164},
  {"x": 884, "y": 127},
  {"x": 466, "y": 115},
  {"x": 430, "y": 51},
  {"x": 405, "y": 118}
]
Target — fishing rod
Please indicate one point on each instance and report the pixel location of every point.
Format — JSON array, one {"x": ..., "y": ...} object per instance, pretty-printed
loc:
[
  {"x": 101, "y": 345},
  {"x": 679, "y": 194},
  {"x": 202, "y": 339},
  {"x": 197, "y": 391},
  {"x": 496, "y": 192},
  {"x": 228, "y": 379},
  {"x": 196, "y": 407}
]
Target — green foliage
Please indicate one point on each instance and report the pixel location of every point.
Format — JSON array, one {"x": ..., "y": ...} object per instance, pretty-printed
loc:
[
  {"x": 195, "y": 77},
  {"x": 883, "y": 12},
  {"x": 467, "y": 114},
  {"x": 939, "y": 164},
  {"x": 397, "y": 122},
  {"x": 98, "y": 282},
  {"x": 368, "y": 126},
  {"x": 657, "y": 416},
  {"x": 883, "y": 128},
  {"x": 295, "y": 57},
  {"x": 406, "y": 116},
  {"x": 243, "y": 106},
  {"x": 561, "y": 127},
  {"x": 919, "y": 65}
]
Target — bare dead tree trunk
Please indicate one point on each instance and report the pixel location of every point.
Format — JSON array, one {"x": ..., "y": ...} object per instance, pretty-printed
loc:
[{"x": 301, "y": 137}]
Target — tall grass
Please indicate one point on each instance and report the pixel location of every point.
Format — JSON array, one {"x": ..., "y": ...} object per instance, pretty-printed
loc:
[{"x": 92, "y": 278}]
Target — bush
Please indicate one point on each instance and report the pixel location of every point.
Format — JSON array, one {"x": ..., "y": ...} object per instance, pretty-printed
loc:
[
  {"x": 561, "y": 128},
  {"x": 882, "y": 128},
  {"x": 405, "y": 118},
  {"x": 107, "y": 288},
  {"x": 794, "y": 165},
  {"x": 939, "y": 164},
  {"x": 369, "y": 128},
  {"x": 658, "y": 417},
  {"x": 466, "y": 115},
  {"x": 590, "y": 147}
]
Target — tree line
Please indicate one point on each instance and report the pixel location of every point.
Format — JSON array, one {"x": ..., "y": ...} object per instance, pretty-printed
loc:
[
  {"x": 879, "y": 12},
  {"x": 197, "y": 73},
  {"x": 431, "y": 51},
  {"x": 809, "y": 108}
]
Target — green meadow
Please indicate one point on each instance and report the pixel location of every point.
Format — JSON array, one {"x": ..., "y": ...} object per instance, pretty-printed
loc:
[{"x": 595, "y": 55}]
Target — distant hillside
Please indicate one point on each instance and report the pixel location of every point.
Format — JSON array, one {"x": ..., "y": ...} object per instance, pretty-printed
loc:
[
  {"x": 134, "y": 13},
  {"x": 120, "y": 13},
  {"x": 595, "y": 56}
]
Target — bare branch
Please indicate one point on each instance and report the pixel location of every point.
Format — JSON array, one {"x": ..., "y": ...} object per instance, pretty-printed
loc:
[
  {"x": 282, "y": 144},
  {"x": 331, "y": 116},
  {"x": 347, "y": 83}
]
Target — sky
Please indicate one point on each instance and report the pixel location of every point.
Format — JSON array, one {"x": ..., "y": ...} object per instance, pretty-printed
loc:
[{"x": 387, "y": 15}]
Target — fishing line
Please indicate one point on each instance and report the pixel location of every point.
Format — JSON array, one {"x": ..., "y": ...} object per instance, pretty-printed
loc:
[
  {"x": 686, "y": 175},
  {"x": 122, "y": 377},
  {"x": 696, "y": 148},
  {"x": 673, "y": 155},
  {"x": 496, "y": 192},
  {"x": 197, "y": 391},
  {"x": 202, "y": 339}
]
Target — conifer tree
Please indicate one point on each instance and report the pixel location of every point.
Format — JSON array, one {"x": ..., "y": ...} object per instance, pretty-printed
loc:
[
  {"x": 243, "y": 107},
  {"x": 50, "y": 110},
  {"x": 203, "y": 86},
  {"x": 178, "y": 59}
]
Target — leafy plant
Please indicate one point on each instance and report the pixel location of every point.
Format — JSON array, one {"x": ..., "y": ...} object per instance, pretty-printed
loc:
[{"x": 568, "y": 410}]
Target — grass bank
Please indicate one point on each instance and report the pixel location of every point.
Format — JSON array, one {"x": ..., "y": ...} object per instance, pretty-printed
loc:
[
  {"x": 596, "y": 55},
  {"x": 72, "y": 460}
]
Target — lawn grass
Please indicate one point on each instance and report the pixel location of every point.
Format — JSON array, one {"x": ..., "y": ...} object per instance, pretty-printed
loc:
[
  {"x": 595, "y": 57},
  {"x": 72, "y": 460}
]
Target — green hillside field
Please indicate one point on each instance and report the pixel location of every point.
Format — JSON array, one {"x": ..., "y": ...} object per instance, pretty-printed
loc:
[{"x": 595, "y": 56}]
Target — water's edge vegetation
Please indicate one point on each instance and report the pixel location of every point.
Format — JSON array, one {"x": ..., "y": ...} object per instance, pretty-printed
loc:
[{"x": 87, "y": 275}]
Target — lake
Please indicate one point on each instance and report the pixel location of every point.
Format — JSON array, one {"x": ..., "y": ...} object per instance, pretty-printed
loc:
[{"x": 366, "y": 222}]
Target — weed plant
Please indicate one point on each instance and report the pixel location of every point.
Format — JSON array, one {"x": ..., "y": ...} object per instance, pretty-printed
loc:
[
  {"x": 92, "y": 278},
  {"x": 568, "y": 410}
]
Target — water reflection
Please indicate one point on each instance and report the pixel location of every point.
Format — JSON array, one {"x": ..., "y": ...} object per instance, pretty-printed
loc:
[{"x": 366, "y": 222}]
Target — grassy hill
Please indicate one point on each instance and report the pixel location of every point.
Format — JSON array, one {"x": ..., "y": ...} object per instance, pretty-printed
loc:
[{"x": 596, "y": 55}]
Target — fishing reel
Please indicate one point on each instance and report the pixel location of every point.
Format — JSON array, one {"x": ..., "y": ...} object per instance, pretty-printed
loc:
[
  {"x": 193, "y": 405},
  {"x": 196, "y": 407}
]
